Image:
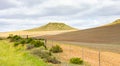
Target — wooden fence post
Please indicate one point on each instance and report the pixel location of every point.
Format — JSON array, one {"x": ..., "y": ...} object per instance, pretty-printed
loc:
[
  {"x": 82, "y": 53},
  {"x": 99, "y": 58},
  {"x": 45, "y": 43},
  {"x": 27, "y": 36}
]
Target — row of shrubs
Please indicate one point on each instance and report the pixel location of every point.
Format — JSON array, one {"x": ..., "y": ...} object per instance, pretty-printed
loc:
[
  {"x": 38, "y": 48},
  {"x": 29, "y": 41}
]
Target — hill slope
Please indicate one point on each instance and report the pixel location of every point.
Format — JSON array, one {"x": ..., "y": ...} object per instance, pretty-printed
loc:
[
  {"x": 53, "y": 27},
  {"x": 115, "y": 22},
  {"x": 104, "y": 34}
]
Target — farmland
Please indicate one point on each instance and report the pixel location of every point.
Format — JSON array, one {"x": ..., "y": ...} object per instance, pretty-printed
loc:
[
  {"x": 59, "y": 32},
  {"x": 95, "y": 49},
  {"x": 103, "y": 34}
]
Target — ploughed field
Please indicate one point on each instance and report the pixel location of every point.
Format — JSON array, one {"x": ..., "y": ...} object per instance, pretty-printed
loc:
[{"x": 105, "y": 34}]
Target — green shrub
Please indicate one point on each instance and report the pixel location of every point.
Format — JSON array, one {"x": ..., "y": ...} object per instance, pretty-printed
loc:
[
  {"x": 22, "y": 41},
  {"x": 1, "y": 38},
  {"x": 15, "y": 38},
  {"x": 37, "y": 43},
  {"x": 56, "y": 49},
  {"x": 44, "y": 54},
  {"x": 42, "y": 48},
  {"x": 41, "y": 53},
  {"x": 29, "y": 46},
  {"x": 76, "y": 61},
  {"x": 29, "y": 40},
  {"x": 52, "y": 59},
  {"x": 16, "y": 44},
  {"x": 10, "y": 36}
]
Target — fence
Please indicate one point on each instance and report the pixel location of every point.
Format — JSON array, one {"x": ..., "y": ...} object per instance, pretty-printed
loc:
[{"x": 90, "y": 56}]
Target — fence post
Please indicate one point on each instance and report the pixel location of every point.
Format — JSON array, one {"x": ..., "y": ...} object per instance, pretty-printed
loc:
[
  {"x": 27, "y": 36},
  {"x": 45, "y": 43},
  {"x": 82, "y": 53},
  {"x": 99, "y": 58},
  {"x": 52, "y": 43}
]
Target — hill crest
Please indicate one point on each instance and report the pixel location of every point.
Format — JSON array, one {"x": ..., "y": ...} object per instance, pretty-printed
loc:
[
  {"x": 52, "y": 26},
  {"x": 114, "y": 22}
]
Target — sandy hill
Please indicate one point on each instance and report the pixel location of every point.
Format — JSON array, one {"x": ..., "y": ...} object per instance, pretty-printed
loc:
[
  {"x": 104, "y": 34},
  {"x": 53, "y": 27}
]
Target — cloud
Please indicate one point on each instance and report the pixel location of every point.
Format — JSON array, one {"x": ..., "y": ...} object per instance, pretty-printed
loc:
[
  {"x": 6, "y": 4},
  {"x": 83, "y": 14}
]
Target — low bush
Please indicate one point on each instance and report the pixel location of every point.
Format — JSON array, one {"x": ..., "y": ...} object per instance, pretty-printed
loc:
[
  {"x": 56, "y": 49},
  {"x": 41, "y": 52},
  {"x": 37, "y": 43},
  {"x": 76, "y": 61},
  {"x": 1, "y": 38},
  {"x": 29, "y": 46},
  {"x": 52, "y": 59},
  {"x": 29, "y": 40},
  {"x": 10, "y": 36},
  {"x": 22, "y": 41},
  {"x": 44, "y": 54},
  {"x": 16, "y": 44},
  {"x": 14, "y": 38}
]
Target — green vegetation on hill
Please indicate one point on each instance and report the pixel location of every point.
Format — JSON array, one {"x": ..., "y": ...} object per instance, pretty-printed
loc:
[
  {"x": 53, "y": 27},
  {"x": 11, "y": 56},
  {"x": 115, "y": 22}
]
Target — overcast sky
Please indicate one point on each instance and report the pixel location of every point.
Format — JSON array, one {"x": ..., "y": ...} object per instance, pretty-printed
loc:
[{"x": 82, "y": 14}]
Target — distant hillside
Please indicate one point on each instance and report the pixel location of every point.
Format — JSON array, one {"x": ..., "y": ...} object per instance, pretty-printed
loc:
[
  {"x": 104, "y": 34},
  {"x": 53, "y": 27},
  {"x": 115, "y": 22}
]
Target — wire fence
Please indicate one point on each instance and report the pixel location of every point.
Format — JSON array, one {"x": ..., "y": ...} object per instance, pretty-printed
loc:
[{"x": 90, "y": 56}]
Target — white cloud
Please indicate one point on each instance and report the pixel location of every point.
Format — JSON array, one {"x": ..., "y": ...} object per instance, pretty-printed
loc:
[{"x": 18, "y": 14}]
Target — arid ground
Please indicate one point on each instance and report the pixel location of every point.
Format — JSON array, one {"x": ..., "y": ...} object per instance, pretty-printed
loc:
[{"x": 89, "y": 53}]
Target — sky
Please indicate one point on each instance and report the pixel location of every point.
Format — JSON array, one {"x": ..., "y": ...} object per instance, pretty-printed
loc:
[{"x": 81, "y": 14}]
